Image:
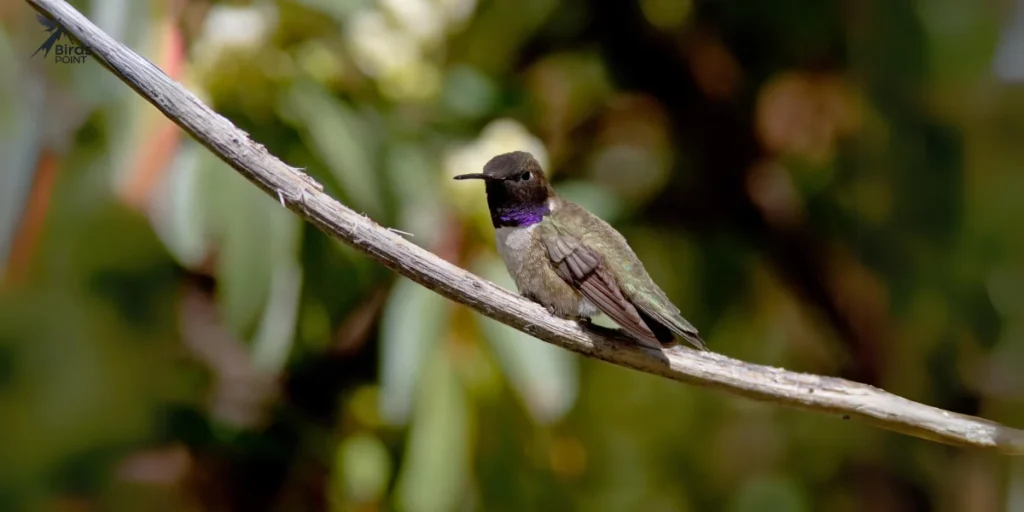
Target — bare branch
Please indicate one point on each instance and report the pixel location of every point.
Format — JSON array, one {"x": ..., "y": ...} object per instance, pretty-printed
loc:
[{"x": 305, "y": 197}]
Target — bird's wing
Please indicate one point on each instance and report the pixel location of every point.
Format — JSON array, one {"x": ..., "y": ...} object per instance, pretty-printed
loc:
[
  {"x": 658, "y": 315},
  {"x": 584, "y": 269}
]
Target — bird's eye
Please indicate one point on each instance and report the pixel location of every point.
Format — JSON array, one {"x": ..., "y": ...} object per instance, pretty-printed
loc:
[{"x": 524, "y": 176}]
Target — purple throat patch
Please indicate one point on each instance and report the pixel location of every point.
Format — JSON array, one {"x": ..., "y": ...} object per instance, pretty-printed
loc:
[{"x": 523, "y": 215}]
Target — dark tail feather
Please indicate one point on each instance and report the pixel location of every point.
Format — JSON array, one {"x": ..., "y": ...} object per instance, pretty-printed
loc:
[
  {"x": 667, "y": 337},
  {"x": 696, "y": 341},
  {"x": 693, "y": 339}
]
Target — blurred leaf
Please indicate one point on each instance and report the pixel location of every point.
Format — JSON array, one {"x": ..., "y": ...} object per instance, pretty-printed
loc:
[
  {"x": 648, "y": 162},
  {"x": 492, "y": 41},
  {"x": 596, "y": 199},
  {"x": 180, "y": 207},
  {"x": 273, "y": 340},
  {"x": 413, "y": 177},
  {"x": 436, "y": 462},
  {"x": 1015, "y": 491},
  {"x": 260, "y": 274},
  {"x": 246, "y": 247},
  {"x": 337, "y": 134},
  {"x": 666, "y": 15},
  {"x": 1005, "y": 286},
  {"x": 567, "y": 88},
  {"x": 362, "y": 468},
  {"x": 276, "y": 332},
  {"x": 965, "y": 42},
  {"x": 413, "y": 321},
  {"x": 20, "y": 140},
  {"x": 770, "y": 494},
  {"x": 544, "y": 376},
  {"x": 339, "y": 11},
  {"x": 468, "y": 93},
  {"x": 365, "y": 406},
  {"x": 84, "y": 389},
  {"x": 113, "y": 16}
]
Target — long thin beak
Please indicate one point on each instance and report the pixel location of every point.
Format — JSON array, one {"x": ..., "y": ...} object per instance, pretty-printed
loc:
[{"x": 476, "y": 176}]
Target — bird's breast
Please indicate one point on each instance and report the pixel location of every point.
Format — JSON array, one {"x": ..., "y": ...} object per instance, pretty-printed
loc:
[
  {"x": 514, "y": 244},
  {"x": 528, "y": 263}
]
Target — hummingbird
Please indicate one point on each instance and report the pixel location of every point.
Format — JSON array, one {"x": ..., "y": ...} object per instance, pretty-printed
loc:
[{"x": 569, "y": 260}]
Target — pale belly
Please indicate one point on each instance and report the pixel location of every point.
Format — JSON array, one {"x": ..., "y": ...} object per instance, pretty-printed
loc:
[{"x": 538, "y": 281}]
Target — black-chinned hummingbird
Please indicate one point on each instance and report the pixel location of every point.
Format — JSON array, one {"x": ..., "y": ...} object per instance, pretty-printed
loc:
[{"x": 569, "y": 260}]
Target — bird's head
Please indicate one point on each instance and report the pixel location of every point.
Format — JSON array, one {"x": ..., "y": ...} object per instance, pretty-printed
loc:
[{"x": 513, "y": 179}]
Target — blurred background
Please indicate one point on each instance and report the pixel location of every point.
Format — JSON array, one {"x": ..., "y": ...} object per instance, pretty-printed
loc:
[{"x": 828, "y": 186}]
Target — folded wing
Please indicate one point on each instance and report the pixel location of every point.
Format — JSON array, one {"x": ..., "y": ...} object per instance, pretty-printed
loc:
[{"x": 584, "y": 269}]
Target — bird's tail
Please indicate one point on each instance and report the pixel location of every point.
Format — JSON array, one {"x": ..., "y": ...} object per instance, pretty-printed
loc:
[
  {"x": 695, "y": 340},
  {"x": 668, "y": 328}
]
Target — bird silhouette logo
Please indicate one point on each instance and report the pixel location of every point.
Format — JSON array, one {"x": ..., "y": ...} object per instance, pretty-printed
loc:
[{"x": 56, "y": 32}]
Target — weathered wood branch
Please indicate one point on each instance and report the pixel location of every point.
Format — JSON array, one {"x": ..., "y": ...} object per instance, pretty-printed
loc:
[{"x": 305, "y": 197}]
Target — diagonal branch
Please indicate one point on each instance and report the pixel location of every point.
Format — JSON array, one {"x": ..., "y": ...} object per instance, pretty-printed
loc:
[{"x": 305, "y": 197}]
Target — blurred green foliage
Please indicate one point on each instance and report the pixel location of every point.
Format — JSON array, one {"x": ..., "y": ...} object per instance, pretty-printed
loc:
[{"x": 825, "y": 186}]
